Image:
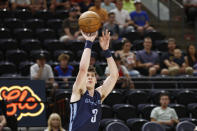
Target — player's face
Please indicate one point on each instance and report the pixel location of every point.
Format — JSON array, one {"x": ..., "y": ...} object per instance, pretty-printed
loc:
[
  {"x": 91, "y": 80},
  {"x": 55, "y": 122},
  {"x": 164, "y": 101}
]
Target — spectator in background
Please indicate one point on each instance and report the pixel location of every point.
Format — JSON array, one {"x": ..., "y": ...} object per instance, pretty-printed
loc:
[
  {"x": 41, "y": 70},
  {"x": 140, "y": 18},
  {"x": 124, "y": 80},
  {"x": 38, "y": 5},
  {"x": 54, "y": 123},
  {"x": 190, "y": 9},
  {"x": 112, "y": 27},
  {"x": 100, "y": 11},
  {"x": 60, "y": 5},
  {"x": 167, "y": 57},
  {"x": 21, "y": 4},
  {"x": 164, "y": 115},
  {"x": 71, "y": 27},
  {"x": 2, "y": 120},
  {"x": 78, "y": 10},
  {"x": 122, "y": 17},
  {"x": 128, "y": 58},
  {"x": 63, "y": 70},
  {"x": 191, "y": 58},
  {"x": 147, "y": 60},
  {"x": 93, "y": 62},
  {"x": 4, "y": 4},
  {"x": 85, "y": 5},
  {"x": 128, "y": 5},
  {"x": 108, "y": 5}
]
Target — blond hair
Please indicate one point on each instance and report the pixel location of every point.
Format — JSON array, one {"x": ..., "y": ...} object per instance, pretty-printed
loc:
[
  {"x": 51, "y": 117},
  {"x": 63, "y": 57}
]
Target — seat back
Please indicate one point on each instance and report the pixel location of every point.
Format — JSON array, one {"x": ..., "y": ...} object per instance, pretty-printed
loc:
[
  {"x": 185, "y": 126},
  {"x": 152, "y": 126},
  {"x": 118, "y": 126}
]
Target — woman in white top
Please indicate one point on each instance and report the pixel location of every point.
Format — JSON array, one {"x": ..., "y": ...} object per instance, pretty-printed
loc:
[{"x": 54, "y": 123}]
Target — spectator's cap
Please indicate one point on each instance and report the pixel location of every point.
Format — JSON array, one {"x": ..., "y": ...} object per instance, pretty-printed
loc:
[
  {"x": 41, "y": 56},
  {"x": 72, "y": 10},
  {"x": 137, "y": 1}
]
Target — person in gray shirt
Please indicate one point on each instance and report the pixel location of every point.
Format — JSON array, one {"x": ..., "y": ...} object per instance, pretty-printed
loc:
[
  {"x": 164, "y": 115},
  {"x": 147, "y": 61}
]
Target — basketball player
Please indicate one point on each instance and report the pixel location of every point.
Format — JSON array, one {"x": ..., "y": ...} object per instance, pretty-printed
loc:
[{"x": 85, "y": 103}]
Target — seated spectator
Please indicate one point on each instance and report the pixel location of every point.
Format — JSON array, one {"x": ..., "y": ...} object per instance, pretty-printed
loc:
[
  {"x": 122, "y": 17},
  {"x": 71, "y": 27},
  {"x": 41, "y": 70},
  {"x": 93, "y": 63},
  {"x": 190, "y": 9},
  {"x": 128, "y": 58},
  {"x": 147, "y": 60},
  {"x": 100, "y": 11},
  {"x": 54, "y": 123},
  {"x": 164, "y": 115},
  {"x": 78, "y": 10},
  {"x": 112, "y": 27},
  {"x": 38, "y": 5},
  {"x": 108, "y": 5},
  {"x": 21, "y": 4},
  {"x": 128, "y": 5},
  {"x": 2, "y": 120},
  {"x": 124, "y": 80},
  {"x": 191, "y": 58},
  {"x": 4, "y": 4},
  {"x": 85, "y": 5},
  {"x": 140, "y": 18},
  {"x": 168, "y": 56},
  {"x": 60, "y": 5}
]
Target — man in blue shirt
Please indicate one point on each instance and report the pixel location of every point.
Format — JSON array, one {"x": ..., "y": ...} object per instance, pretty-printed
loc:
[
  {"x": 140, "y": 18},
  {"x": 147, "y": 60}
]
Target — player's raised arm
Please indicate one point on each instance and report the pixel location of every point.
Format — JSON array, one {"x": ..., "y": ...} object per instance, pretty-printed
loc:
[
  {"x": 79, "y": 86},
  {"x": 110, "y": 82}
]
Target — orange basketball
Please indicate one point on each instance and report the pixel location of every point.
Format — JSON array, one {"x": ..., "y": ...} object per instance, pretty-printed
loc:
[{"x": 89, "y": 22}]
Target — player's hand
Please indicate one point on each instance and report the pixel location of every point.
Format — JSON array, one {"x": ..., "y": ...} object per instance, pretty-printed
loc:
[
  {"x": 89, "y": 36},
  {"x": 105, "y": 40}
]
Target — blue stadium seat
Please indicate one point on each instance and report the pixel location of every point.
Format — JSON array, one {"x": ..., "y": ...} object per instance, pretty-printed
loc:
[
  {"x": 8, "y": 44},
  {"x": 16, "y": 56},
  {"x": 45, "y": 33},
  {"x": 185, "y": 126},
  {"x": 23, "y": 33},
  {"x": 24, "y": 68},
  {"x": 132, "y": 36},
  {"x": 7, "y": 67},
  {"x": 13, "y": 23},
  {"x": 5, "y": 13},
  {"x": 30, "y": 44},
  {"x": 152, "y": 126},
  {"x": 125, "y": 111},
  {"x": 136, "y": 97},
  {"x": 145, "y": 110},
  {"x": 53, "y": 45},
  {"x": 1, "y": 56},
  {"x": 34, "y": 24},
  {"x": 192, "y": 108},
  {"x": 116, "y": 126},
  {"x": 181, "y": 110},
  {"x": 105, "y": 122},
  {"x": 61, "y": 14},
  {"x": 23, "y": 14},
  {"x": 35, "y": 53},
  {"x": 43, "y": 14},
  {"x": 135, "y": 124},
  {"x": 107, "y": 111},
  {"x": 185, "y": 97},
  {"x": 54, "y": 24},
  {"x": 115, "y": 97},
  {"x": 5, "y": 33},
  {"x": 155, "y": 96}
]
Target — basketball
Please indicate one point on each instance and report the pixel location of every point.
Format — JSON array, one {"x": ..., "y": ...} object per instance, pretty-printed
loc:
[{"x": 89, "y": 22}]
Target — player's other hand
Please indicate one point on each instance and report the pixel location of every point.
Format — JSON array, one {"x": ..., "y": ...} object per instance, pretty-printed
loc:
[
  {"x": 89, "y": 36},
  {"x": 105, "y": 40}
]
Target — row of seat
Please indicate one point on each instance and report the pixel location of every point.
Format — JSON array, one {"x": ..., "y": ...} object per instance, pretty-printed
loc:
[{"x": 24, "y": 14}]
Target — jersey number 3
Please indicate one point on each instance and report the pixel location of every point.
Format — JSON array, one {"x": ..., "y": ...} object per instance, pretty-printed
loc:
[{"x": 94, "y": 112}]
